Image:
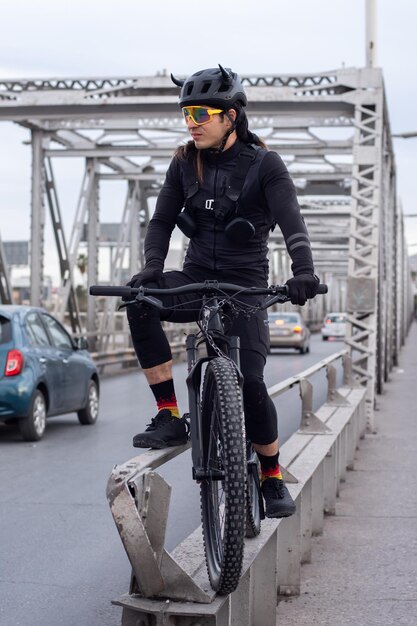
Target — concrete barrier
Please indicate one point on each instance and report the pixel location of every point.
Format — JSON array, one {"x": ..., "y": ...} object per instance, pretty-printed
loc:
[{"x": 173, "y": 589}]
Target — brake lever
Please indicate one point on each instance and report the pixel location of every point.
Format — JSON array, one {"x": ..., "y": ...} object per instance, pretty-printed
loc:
[
  {"x": 280, "y": 297},
  {"x": 153, "y": 302},
  {"x": 125, "y": 304},
  {"x": 140, "y": 298}
]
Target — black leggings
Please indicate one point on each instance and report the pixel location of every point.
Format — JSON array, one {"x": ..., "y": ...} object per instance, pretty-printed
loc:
[{"x": 152, "y": 347}]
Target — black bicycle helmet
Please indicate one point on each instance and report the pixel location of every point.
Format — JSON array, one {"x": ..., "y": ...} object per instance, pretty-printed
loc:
[{"x": 217, "y": 87}]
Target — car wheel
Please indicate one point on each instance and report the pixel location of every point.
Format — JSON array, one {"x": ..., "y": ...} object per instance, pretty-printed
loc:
[
  {"x": 308, "y": 348},
  {"x": 33, "y": 426},
  {"x": 89, "y": 414}
]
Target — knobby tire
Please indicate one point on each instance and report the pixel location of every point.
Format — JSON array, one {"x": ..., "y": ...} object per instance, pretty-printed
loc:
[{"x": 223, "y": 501}]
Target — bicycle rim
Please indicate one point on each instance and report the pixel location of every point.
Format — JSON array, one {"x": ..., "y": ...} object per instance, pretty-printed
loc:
[{"x": 223, "y": 502}]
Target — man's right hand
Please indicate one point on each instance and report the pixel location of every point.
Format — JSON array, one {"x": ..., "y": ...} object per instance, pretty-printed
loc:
[{"x": 147, "y": 275}]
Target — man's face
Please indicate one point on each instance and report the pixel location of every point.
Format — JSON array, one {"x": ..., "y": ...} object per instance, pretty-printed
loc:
[{"x": 210, "y": 134}]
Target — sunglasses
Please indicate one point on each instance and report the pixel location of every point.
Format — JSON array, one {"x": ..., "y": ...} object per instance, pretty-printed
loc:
[{"x": 200, "y": 115}]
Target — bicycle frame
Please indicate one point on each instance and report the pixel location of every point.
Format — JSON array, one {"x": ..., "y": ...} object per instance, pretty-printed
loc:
[
  {"x": 210, "y": 290},
  {"x": 215, "y": 328}
]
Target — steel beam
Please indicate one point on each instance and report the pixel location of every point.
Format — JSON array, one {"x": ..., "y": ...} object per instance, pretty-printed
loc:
[
  {"x": 330, "y": 147},
  {"x": 93, "y": 248},
  {"x": 5, "y": 286},
  {"x": 61, "y": 245},
  {"x": 364, "y": 287},
  {"x": 37, "y": 219}
]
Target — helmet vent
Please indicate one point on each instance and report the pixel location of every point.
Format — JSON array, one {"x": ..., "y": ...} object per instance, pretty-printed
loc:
[{"x": 219, "y": 88}]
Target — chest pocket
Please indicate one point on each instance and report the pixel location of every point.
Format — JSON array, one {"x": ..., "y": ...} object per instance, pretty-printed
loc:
[
  {"x": 186, "y": 221},
  {"x": 238, "y": 229}
]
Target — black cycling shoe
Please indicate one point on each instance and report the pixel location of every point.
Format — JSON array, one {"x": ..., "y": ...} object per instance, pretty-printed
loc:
[
  {"x": 278, "y": 500},
  {"x": 164, "y": 431}
]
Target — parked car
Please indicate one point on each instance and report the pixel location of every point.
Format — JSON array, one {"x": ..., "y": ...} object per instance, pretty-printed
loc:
[
  {"x": 43, "y": 371},
  {"x": 288, "y": 330},
  {"x": 334, "y": 326}
]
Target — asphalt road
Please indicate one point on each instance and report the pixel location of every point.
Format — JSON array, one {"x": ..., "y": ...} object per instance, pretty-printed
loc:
[{"x": 61, "y": 559}]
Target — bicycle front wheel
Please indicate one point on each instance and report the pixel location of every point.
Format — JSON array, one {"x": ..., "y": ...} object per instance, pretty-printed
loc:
[{"x": 223, "y": 502}]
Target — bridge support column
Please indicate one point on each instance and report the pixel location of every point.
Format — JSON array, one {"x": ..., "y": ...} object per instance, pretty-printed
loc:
[
  {"x": 93, "y": 248},
  {"x": 37, "y": 219}
]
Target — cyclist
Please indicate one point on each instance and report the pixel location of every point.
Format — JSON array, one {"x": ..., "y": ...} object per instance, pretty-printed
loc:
[{"x": 226, "y": 191}]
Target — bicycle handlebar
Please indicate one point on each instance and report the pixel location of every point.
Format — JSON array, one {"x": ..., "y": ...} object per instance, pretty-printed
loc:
[{"x": 205, "y": 287}]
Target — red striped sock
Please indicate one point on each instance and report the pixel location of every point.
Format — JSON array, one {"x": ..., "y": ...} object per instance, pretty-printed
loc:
[
  {"x": 274, "y": 472},
  {"x": 269, "y": 466},
  {"x": 165, "y": 397}
]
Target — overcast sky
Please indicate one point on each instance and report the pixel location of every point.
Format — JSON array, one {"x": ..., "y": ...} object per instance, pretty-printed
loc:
[{"x": 46, "y": 38}]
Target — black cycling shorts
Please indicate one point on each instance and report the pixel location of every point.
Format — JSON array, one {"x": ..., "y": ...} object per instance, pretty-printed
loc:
[{"x": 152, "y": 347}]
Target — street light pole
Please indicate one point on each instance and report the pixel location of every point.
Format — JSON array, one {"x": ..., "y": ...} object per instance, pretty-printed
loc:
[{"x": 370, "y": 33}]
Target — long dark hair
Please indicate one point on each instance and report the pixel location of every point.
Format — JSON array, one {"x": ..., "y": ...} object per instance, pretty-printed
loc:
[{"x": 241, "y": 126}]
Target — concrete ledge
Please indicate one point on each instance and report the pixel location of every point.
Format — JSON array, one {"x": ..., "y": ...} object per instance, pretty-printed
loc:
[{"x": 273, "y": 560}]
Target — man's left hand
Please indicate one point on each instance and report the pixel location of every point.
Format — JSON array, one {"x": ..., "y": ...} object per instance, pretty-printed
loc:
[{"x": 302, "y": 287}]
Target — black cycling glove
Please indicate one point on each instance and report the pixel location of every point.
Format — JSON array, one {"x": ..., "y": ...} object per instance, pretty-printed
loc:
[
  {"x": 149, "y": 274},
  {"x": 302, "y": 287}
]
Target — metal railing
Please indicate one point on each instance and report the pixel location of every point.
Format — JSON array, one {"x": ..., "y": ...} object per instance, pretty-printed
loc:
[
  {"x": 309, "y": 421},
  {"x": 119, "y": 352}
]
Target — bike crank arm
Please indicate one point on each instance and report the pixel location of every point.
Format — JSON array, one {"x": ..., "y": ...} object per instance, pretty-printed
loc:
[
  {"x": 253, "y": 469},
  {"x": 204, "y": 474}
]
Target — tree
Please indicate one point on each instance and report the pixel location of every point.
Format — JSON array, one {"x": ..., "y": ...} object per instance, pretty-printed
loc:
[{"x": 82, "y": 263}]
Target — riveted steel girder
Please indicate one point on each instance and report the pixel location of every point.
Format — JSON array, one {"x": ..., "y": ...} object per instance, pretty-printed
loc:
[{"x": 330, "y": 128}]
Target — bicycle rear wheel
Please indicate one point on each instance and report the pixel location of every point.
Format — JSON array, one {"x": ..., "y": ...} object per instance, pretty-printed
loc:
[
  {"x": 223, "y": 503},
  {"x": 254, "y": 505}
]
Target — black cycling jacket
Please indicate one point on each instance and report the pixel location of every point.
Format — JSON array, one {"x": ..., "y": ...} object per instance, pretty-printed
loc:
[{"x": 268, "y": 196}]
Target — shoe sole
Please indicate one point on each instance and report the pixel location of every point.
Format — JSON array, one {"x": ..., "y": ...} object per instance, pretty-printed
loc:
[
  {"x": 158, "y": 445},
  {"x": 279, "y": 514}
]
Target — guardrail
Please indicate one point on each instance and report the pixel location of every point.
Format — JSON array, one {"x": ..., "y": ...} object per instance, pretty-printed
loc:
[
  {"x": 125, "y": 355},
  {"x": 174, "y": 588},
  {"x": 119, "y": 350}
]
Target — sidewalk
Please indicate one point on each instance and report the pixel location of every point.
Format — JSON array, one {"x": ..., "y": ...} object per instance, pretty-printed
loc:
[{"x": 363, "y": 570}]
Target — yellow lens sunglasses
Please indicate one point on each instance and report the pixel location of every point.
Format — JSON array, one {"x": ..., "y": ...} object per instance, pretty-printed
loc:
[{"x": 200, "y": 115}]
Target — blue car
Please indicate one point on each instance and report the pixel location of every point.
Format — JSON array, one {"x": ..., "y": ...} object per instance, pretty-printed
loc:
[{"x": 43, "y": 371}]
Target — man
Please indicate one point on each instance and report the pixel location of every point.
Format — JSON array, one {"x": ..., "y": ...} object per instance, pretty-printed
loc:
[{"x": 226, "y": 192}]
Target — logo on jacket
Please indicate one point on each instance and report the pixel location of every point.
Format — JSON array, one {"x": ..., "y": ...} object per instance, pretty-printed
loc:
[{"x": 209, "y": 204}]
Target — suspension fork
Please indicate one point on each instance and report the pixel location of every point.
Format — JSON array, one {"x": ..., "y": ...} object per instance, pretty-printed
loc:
[{"x": 195, "y": 366}]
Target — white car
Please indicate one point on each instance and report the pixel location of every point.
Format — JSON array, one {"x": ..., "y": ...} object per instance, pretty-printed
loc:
[{"x": 334, "y": 326}]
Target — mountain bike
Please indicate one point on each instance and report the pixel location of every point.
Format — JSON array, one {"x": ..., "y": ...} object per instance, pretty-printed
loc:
[{"x": 225, "y": 465}]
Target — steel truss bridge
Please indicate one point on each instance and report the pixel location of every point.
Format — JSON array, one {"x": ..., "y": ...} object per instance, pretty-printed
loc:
[{"x": 331, "y": 129}]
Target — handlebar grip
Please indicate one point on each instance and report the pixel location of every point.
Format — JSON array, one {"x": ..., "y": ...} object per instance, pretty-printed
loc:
[
  {"x": 322, "y": 288},
  {"x": 107, "y": 290}
]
